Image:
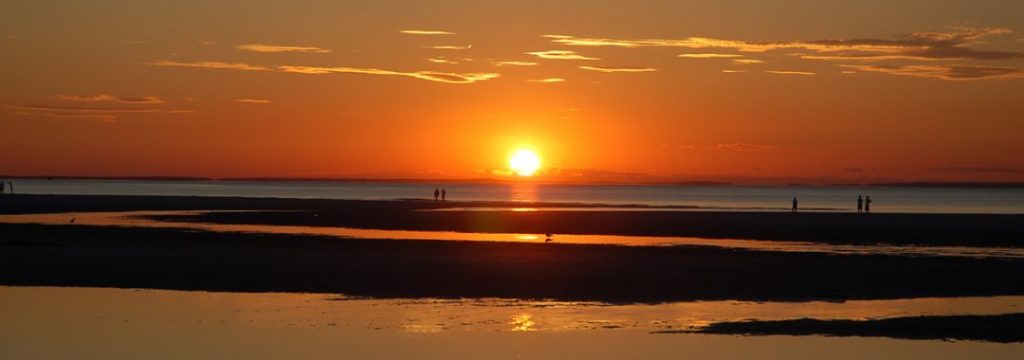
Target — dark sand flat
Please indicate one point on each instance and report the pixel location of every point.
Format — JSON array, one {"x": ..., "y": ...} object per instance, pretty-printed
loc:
[
  {"x": 991, "y": 328},
  {"x": 75, "y": 255},
  {"x": 836, "y": 228}
]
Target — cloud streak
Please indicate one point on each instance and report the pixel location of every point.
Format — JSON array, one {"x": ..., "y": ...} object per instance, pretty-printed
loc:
[
  {"x": 956, "y": 44},
  {"x": 252, "y": 101},
  {"x": 944, "y": 72},
  {"x": 616, "y": 69},
  {"x": 561, "y": 55},
  {"x": 426, "y": 32},
  {"x": 111, "y": 98},
  {"x": 281, "y": 48},
  {"x": 435, "y": 76},
  {"x": 443, "y": 77},
  {"x": 547, "y": 81},
  {"x": 210, "y": 65}
]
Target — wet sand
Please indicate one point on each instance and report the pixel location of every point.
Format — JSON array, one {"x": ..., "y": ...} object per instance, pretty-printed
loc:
[
  {"x": 123, "y": 257},
  {"x": 835, "y": 228},
  {"x": 1004, "y": 328}
]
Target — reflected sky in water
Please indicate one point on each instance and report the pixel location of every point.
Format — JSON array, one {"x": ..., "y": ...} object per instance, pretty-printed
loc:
[
  {"x": 92, "y": 323},
  {"x": 142, "y": 219}
]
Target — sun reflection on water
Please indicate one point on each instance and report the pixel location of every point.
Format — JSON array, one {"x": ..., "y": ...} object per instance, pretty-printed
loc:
[{"x": 522, "y": 322}]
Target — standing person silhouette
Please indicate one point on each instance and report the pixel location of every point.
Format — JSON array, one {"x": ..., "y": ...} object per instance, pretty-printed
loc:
[
  {"x": 860, "y": 204},
  {"x": 10, "y": 186},
  {"x": 436, "y": 193},
  {"x": 443, "y": 193},
  {"x": 867, "y": 205},
  {"x": 1, "y": 186},
  {"x": 794, "y": 205}
]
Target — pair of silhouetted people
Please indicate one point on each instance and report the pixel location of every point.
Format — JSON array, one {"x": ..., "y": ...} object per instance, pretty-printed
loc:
[
  {"x": 10, "y": 187},
  {"x": 863, "y": 204},
  {"x": 442, "y": 193}
]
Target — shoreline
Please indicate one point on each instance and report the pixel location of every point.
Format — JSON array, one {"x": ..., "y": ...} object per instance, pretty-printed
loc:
[
  {"x": 122, "y": 257},
  {"x": 1002, "y": 230}
]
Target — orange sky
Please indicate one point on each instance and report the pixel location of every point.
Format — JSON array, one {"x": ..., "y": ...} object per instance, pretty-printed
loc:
[{"x": 745, "y": 91}]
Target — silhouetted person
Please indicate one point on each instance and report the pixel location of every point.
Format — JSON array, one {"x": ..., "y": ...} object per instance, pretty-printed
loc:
[
  {"x": 794, "y": 205},
  {"x": 444, "y": 193},
  {"x": 867, "y": 205},
  {"x": 436, "y": 193},
  {"x": 1, "y": 186},
  {"x": 860, "y": 204},
  {"x": 10, "y": 187}
]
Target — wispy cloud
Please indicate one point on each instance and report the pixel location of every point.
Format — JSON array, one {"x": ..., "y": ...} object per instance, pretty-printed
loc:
[
  {"x": 449, "y": 47},
  {"x": 252, "y": 101},
  {"x": 790, "y": 72},
  {"x": 426, "y": 32},
  {"x": 944, "y": 72},
  {"x": 106, "y": 114},
  {"x": 730, "y": 146},
  {"x": 210, "y": 65},
  {"x": 443, "y": 77},
  {"x": 747, "y": 61},
  {"x": 449, "y": 61},
  {"x": 111, "y": 98},
  {"x": 934, "y": 45},
  {"x": 615, "y": 69},
  {"x": 560, "y": 55},
  {"x": 730, "y": 71},
  {"x": 547, "y": 81},
  {"x": 515, "y": 63},
  {"x": 956, "y": 44},
  {"x": 710, "y": 56},
  {"x": 281, "y": 48}
]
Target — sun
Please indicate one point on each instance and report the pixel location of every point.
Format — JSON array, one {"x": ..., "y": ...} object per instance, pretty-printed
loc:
[{"x": 524, "y": 163}]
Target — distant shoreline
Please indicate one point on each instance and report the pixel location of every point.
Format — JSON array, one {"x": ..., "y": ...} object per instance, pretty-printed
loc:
[
  {"x": 912, "y": 184},
  {"x": 1002, "y": 230}
]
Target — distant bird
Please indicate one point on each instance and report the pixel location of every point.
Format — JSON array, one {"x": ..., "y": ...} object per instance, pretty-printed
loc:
[
  {"x": 72, "y": 220},
  {"x": 547, "y": 237}
]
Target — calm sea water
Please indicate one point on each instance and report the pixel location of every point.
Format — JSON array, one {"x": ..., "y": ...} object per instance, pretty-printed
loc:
[{"x": 725, "y": 197}]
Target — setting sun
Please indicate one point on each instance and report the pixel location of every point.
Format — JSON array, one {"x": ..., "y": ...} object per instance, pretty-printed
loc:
[{"x": 524, "y": 162}]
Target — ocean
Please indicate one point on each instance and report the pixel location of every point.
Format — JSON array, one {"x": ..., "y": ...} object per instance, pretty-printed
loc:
[{"x": 889, "y": 199}]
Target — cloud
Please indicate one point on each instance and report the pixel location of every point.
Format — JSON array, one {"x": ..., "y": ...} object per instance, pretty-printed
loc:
[
  {"x": 252, "y": 101},
  {"x": 449, "y": 61},
  {"x": 956, "y": 44},
  {"x": 789, "y": 72},
  {"x": 560, "y": 55},
  {"x": 83, "y": 109},
  {"x": 747, "y": 61},
  {"x": 920, "y": 45},
  {"x": 514, "y": 63},
  {"x": 106, "y": 114},
  {"x": 111, "y": 98},
  {"x": 944, "y": 72},
  {"x": 547, "y": 81},
  {"x": 436, "y": 76},
  {"x": 614, "y": 69},
  {"x": 731, "y": 147},
  {"x": 449, "y": 47},
  {"x": 281, "y": 48},
  {"x": 729, "y": 71},
  {"x": 210, "y": 65},
  {"x": 710, "y": 56},
  {"x": 208, "y": 43},
  {"x": 450, "y": 78},
  {"x": 426, "y": 32}
]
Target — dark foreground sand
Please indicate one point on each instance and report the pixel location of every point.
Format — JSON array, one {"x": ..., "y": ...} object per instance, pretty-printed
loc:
[
  {"x": 992, "y": 328},
  {"x": 840, "y": 228},
  {"x": 74, "y": 255}
]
